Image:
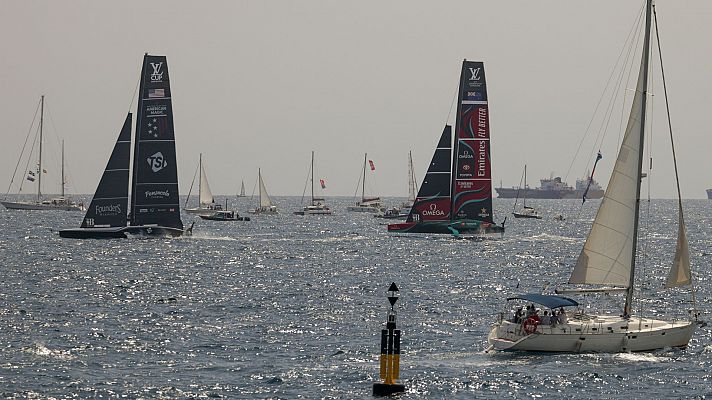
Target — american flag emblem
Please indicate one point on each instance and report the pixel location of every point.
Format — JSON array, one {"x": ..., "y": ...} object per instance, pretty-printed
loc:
[{"x": 156, "y": 93}]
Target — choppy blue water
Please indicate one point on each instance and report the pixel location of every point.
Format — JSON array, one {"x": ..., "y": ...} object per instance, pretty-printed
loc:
[{"x": 292, "y": 307}]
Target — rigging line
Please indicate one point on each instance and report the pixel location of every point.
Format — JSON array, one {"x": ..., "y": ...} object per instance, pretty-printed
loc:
[
  {"x": 59, "y": 143},
  {"x": 304, "y": 192},
  {"x": 452, "y": 103},
  {"x": 29, "y": 158},
  {"x": 19, "y": 160},
  {"x": 134, "y": 93},
  {"x": 603, "y": 129},
  {"x": 252, "y": 195},
  {"x": 583, "y": 137},
  {"x": 191, "y": 188},
  {"x": 358, "y": 183},
  {"x": 521, "y": 179},
  {"x": 672, "y": 145}
]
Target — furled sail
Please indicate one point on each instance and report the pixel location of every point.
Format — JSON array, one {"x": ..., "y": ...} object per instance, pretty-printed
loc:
[
  {"x": 265, "y": 201},
  {"x": 108, "y": 206},
  {"x": 606, "y": 257},
  {"x": 154, "y": 198},
  {"x": 433, "y": 200},
  {"x": 206, "y": 196},
  {"x": 472, "y": 179}
]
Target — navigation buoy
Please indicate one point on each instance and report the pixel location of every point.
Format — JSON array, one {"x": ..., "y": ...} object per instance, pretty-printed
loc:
[{"x": 390, "y": 352}]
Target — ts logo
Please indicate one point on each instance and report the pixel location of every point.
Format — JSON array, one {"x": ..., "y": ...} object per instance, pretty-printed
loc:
[{"x": 157, "y": 162}]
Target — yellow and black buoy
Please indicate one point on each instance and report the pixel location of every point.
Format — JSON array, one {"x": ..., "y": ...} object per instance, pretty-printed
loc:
[{"x": 390, "y": 352}]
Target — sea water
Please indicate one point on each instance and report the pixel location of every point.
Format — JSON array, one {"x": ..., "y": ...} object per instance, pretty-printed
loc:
[{"x": 292, "y": 307}]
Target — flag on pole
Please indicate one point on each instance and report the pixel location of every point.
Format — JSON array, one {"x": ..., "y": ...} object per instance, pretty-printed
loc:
[
  {"x": 373, "y": 166},
  {"x": 323, "y": 183},
  {"x": 590, "y": 179}
]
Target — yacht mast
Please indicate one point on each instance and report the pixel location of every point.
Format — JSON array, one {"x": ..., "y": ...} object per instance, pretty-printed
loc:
[
  {"x": 644, "y": 71},
  {"x": 363, "y": 183},
  {"x": 39, "y": 163},
  {"x": 312, "y": 176},
  {"x": 62, "y": 167}
]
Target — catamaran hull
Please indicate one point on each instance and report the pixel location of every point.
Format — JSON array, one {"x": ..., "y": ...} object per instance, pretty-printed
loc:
[
  {"x": 446, "y": 227},
  {"x": 13, "y": 205},
  {"x": 121, "y": 232},
  {"x": 518, "y": 215},
  {"x": 314, "y": 212},
  {"x": 565, "y": 339}
]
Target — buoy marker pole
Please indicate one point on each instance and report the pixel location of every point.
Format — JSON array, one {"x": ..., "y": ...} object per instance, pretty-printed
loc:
[{"x": 390, "y": 352}]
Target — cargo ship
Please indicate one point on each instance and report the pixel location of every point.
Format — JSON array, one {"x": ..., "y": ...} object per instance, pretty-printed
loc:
[
  {"x": 554, "y": 188},
  {"x": 709, "y": 194}
]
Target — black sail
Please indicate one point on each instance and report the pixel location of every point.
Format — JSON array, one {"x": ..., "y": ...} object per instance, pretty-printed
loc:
[
  {"x": 154, "y": 192},
  {"x": 108, "y": 206},
  {"x": 433, "y": 200}
]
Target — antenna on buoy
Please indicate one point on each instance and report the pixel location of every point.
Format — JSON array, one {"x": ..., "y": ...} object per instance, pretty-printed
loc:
[{"x": 390, "y": 351}]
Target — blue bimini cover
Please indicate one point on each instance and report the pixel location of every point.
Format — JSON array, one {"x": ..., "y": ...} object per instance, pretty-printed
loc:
[{"x": 548, "y": 301}]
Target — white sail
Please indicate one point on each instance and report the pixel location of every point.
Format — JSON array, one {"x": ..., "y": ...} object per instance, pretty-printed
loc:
[
  {"x": 206, "y": 196},
  {"x": 680, "y": 272},
  {"x": 606, "y": 257},
  {"x": 265, "y": 201}
]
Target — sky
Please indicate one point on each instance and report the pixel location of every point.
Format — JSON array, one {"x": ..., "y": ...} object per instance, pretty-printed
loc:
[{"x": 263, "y": 83}]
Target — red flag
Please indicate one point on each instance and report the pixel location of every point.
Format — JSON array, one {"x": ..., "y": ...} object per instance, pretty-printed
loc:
[
  {"x": 323, "y": 184},
  {"x": 373, "y": 166}
]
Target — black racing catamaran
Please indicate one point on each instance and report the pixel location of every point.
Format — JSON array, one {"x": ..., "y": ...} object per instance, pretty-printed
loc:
[
  {"x": 456, "y": 194},
  {"x": 154, "y": 208}
]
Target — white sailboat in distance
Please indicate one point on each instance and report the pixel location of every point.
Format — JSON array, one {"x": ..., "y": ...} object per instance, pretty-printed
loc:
[
  {"x": 266, "y": 206},
  {"x": 608, "y": 261},
  {"x": 207, "y": 204}
]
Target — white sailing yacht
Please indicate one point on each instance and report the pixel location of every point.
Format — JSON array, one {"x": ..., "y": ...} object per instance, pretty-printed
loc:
[
  {"x": 266, "y": 205},
  {"x": 318, "y": 204},
  {"x": 62, "y": 202},
  {"x": 367, "y": 204},
  {"x": 526, "y": 212},
  {"x": 403, "y": 210},
  {"x": 608, "y": 260},
  {"x": 242, "y": 190},
  {"x": 207, "y": 204}
]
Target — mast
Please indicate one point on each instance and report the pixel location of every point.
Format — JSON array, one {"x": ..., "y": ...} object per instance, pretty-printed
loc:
[
  {"x": 312, "y": 176},
  {"x": 363, "y": 183},
  {"x": 259, "y": 177},
  {"x": 525, "y": 186},
  {"x": 644, "y": 72},
  {"x": 62, "y": 167},
  {"x": 411, "y": 178},
  {"x": 200, "y": 177},
  {"x": 39, "y": 163}
]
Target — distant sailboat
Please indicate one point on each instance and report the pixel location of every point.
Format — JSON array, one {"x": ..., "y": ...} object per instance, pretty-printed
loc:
[
  {"x": 61, "y": 203},
  {"x": 456, "y": 194},
  {"x": 242, "y": 190},
  {"x": 367, "y": 204},
  {"x": 402, "y": 211},
  {"x": 608, "y": 259},
  {"x": 527, "y": 212},
  {"x": 153, "y": 209},
  {"x": 266, "y": 206},
  {"x": 206, "y": 201},
  {"x": 318, "y": 204}
]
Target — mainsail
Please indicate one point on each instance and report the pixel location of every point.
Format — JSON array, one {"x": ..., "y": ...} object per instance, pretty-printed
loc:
[
  {"x": 108, "y": 206},
  {"x": 206, "y": 196},
  {"x": 472, "y": 181},
  {"x": 607, "y": 256},
  {"x": 154, "y": 194},
  {"x": 433, "y": 200},
  {"x": 265, "y": 201}
]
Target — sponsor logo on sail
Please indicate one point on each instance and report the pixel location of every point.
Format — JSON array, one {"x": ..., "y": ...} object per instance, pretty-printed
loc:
[
  {"x": 433, "y": 211},
  {"x": 109, "y": 209},
  {"x": 157, "y": 194},
  {"x": 465, "y": 155},
  {"x": 475, "y": 74},
  {"x": 157, "y": 162},
  {"x": 157, "y": 74},
  {"x": 483, "y": 213}
]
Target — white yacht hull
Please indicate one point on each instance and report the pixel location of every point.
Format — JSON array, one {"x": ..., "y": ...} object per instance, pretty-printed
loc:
[
  {"x": 21, "y": 205},
  {"x": 605, "y": 334},
  {"x": 201, "y": 211},
  {"x": 313, "y": 212}
]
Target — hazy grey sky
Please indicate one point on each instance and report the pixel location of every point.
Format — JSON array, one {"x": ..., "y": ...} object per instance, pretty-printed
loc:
[{"x": 262, "y": 83}]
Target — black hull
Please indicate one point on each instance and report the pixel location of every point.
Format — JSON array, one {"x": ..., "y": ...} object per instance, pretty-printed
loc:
[
  {"x": 446, "y": 228},
  {"x": 121, "y": 232},
  {"x": 211, "y": 218}
]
